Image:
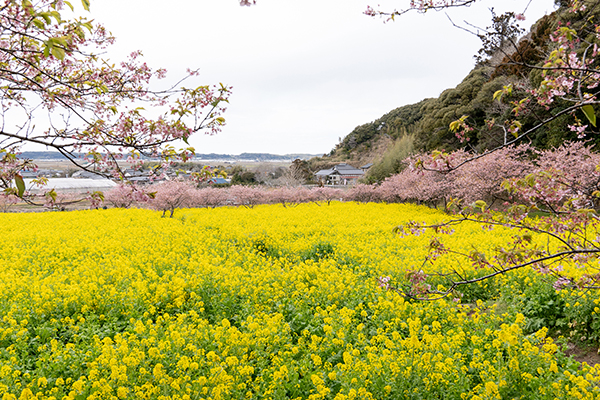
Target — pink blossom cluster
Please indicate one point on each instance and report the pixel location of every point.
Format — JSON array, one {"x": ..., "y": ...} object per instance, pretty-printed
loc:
[
  {"x": 569, "y": 71},
  {"x": 7, "y": 201},
  {"x": 53, "y": 67},
  {"x": 563, "y": 182},
  {"x": 384, "y": 282},
  {"x": 568, "y": 171},
  {"x": 125, "y": 195},
  {"x": 433, "y": 179},
  {"x": 418, "y": 283}
]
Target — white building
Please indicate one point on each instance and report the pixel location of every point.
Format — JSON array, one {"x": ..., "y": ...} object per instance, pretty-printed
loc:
[{"x": 341, "y": 174}]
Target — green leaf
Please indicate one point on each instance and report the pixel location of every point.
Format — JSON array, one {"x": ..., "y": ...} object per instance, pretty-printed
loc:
[
  {"x": 454, "y": 125},
  {"x": 590, "y": 114},
  {"x": 58, "y": 53},
  {"x": 498, "y": 94},
  {"x": 28, "y": 6},
  {"x": 98, "y": 194},
  {"x": 62, "y": 40},
  {"x": 56, "y": 16},
  {"x": 530, "y": 180},
  {"x": 39, "y": 24},
  {"x": 51, "y": 194},
  {"x": 481, "y": 205},
  {"x": 86, "y": 4},
  {"x": 46, "y": 17},
  {"x": 20, "y": 185}
]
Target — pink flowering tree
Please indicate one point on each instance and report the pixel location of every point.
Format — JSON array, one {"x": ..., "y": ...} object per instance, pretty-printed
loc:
[
  {"x": 247, "y": 196},
  {"x": 561, "y": 184},
  {"x": 7, "y": 201},
  {"x": 170, "y": 195},
  {"x": 96, "y": 111},
  {"x": 125, "y": 195},
  {"x": 482, "y": 178},
  {"x": 209, "y": 197},
  {"x": 421, "y": 181},
  {"x": 284, "y": 195},
  {"x": 428, "y": 179},
  {"x": 326, "y": 194},
  {"x": 362, "y": 193},
  {"x": 305, "y": 195}
]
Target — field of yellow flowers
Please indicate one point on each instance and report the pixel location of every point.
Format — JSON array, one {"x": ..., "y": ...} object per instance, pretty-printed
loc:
[{"x": 269, "y": 302}]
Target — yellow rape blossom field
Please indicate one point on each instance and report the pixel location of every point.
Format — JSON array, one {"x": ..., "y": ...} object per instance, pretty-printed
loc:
[{"x": 270, "y": 302}]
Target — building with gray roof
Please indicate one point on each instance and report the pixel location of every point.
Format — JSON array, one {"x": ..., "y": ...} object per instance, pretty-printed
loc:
[{"x": 341, "y": 174}]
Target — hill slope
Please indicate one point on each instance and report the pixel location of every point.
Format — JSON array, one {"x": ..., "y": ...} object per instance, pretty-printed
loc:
[{"x": 425, "y": 125}]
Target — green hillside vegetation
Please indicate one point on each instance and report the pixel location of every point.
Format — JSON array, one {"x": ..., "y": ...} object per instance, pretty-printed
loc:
[{"x": 424, "y": 126}]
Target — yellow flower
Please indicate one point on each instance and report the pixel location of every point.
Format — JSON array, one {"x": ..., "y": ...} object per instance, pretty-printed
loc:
[
  {"x": 122, "y": 392},
  {"x": 316, "y": 380},
  {"x": 316, "y": 359}
]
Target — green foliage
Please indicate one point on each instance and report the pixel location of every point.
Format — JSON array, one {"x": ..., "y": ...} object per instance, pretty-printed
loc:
[
  {"x": 538, "y": 301},
  {"x": 395, "y": 124},
  {"x": 264, "y": 246},
  {"x": 241, "y": 176},
  {"x": 582, "y": 316},
  {"x": 427, "y": 121},
  {"x": 452, "y": 104},
  {"x": 318, "y": 252}
]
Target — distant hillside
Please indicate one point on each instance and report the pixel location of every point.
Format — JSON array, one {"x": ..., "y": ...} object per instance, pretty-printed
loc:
[
  {"x": 258, "y": 157},
  {"x": 266, "y": 157},
  {"x": 426, "y": 123},
  {"x": 42, "y": 155}
]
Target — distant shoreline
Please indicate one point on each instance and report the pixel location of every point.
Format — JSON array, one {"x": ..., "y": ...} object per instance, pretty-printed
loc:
[{"x": 51, "y": 156}]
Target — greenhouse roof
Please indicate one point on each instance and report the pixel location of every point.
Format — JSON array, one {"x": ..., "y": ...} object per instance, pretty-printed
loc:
[{"x": 72, "y": 184}]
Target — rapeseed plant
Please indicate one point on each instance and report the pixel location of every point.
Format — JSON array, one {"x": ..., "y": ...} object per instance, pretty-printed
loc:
[{"x": 264, "y": 302}]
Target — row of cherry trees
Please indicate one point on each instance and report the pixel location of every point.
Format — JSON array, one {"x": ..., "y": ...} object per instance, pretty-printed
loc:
[
  {"x": 510, "y": 176},
  {"x": 170, "y": 195},
  {"x": 495, "y": 178}
]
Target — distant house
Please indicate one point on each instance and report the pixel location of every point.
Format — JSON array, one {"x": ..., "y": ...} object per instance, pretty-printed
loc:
[
  {"x": 86, "y": 175},
  {"x": 341, "y": 174},
  {"x": 46, "y": 173},
  {"x": 217, "y": 180},
  {"x": 366, "y": 167}
]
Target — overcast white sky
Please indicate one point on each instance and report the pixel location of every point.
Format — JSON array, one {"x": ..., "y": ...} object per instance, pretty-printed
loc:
[{"x": 304, "y": 72}]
